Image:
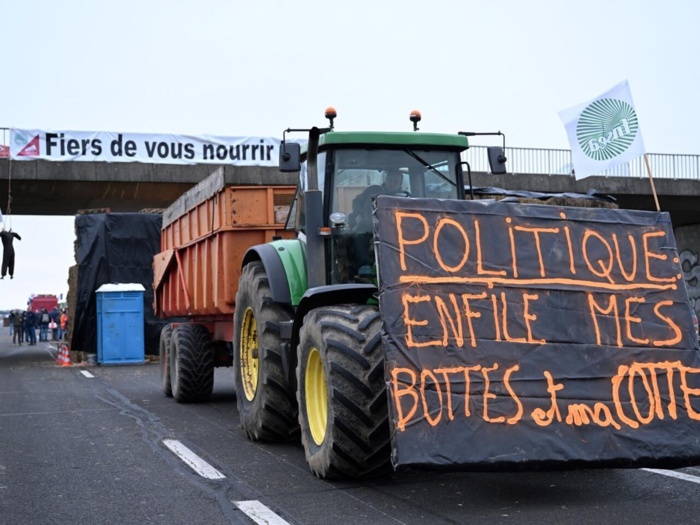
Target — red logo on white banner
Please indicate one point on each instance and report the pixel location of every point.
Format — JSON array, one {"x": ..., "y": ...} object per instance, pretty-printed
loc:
[{"x": 31, "y": 149}]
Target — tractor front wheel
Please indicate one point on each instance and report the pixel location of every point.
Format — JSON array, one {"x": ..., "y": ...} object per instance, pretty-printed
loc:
[{"x": 343, "y": 411}]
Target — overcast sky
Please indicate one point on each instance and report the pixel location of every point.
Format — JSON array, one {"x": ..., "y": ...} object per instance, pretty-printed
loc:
[{"x": 255, "y": 68}]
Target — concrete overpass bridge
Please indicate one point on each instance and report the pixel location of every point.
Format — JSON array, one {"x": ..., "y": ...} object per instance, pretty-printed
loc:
[{"x": 64, "y": 188}]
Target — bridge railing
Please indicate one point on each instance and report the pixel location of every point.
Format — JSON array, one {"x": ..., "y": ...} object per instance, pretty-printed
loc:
[
  {"x": 558, "y": 162},
  {"x": 4, "y": 143}
]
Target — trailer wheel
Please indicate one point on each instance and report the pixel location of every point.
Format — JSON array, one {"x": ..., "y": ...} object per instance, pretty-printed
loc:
[
  {"x": 266, "y": 404},
  {"x": 191, "y": 363},
  {"x": 165, "y": 335},
  {"x": 343, "y": 411}
]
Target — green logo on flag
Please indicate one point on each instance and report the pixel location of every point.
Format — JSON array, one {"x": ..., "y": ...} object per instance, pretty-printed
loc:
[{"x": 606, "y": 128}]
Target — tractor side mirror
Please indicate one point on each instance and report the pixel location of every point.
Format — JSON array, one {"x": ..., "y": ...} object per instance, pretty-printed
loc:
[
  {"x": 290, "y": 157},
  {"x": 497, "y": 160}
]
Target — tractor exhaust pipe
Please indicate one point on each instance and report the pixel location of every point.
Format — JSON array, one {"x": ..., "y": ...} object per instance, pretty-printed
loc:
[{"x": 313, "y": 209}]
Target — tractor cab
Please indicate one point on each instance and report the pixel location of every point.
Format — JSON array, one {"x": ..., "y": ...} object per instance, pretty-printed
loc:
[{"x": 353, "y": 167}]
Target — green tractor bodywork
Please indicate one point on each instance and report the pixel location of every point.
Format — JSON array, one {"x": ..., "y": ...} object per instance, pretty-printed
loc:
[
  {"x": 312, "y": 361},
  {"x": 350, "y": 163}
]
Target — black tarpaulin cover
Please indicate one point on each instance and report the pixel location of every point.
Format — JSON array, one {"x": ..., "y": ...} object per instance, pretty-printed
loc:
[
  {"x": 114, "y": 248},
  {"x": 532, "y": 336}
]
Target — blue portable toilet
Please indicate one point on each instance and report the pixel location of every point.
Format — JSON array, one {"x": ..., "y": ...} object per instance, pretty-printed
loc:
[{"x": 120, "y": 320}]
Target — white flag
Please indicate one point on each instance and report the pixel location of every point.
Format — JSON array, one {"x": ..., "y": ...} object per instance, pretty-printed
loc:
[{"x": 603, "y": 132}]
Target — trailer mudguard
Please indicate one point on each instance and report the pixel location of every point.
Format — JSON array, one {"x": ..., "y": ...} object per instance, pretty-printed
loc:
[{"x": 285, "y": 265}]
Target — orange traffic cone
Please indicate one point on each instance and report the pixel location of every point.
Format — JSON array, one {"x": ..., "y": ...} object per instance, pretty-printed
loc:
[{"x": 65, "y": 361}]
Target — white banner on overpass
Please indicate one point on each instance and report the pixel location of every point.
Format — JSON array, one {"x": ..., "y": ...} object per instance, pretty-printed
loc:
[{"x": 103, "y": 146}]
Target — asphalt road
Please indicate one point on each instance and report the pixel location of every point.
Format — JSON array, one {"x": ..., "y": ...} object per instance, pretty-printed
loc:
[{"x": 91, "y": 450}]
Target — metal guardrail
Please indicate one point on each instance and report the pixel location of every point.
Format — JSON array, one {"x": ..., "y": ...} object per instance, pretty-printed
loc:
[
  {"x": 558, "y": 162},
  {"x": 4, "y": 141}
]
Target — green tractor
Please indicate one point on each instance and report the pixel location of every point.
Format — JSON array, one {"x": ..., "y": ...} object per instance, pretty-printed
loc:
[{"x": 308, "y": 355}]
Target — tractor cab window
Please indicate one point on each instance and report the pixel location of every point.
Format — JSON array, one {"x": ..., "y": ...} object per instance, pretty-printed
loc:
[
  {"x": 354, "y": 190},
  {"x": 360, "y": 174},
  {"x": 296, "y": 220}
]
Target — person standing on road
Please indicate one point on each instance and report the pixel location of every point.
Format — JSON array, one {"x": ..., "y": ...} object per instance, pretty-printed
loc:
[
  {"x": 30, "y": 326},
  {"x": 44, "y": 321},
  {"x": 54, "y": 316},
  {"x": 23, "y": 317},
  {"x": 17, "y": 326},
  {"x": 62, "y": 324}
]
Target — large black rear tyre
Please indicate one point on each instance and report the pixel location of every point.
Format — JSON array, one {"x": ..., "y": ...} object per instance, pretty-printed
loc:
[
  {"x": 266, "y": 403},
  {"x": 343, "y": 411},
  {"x": 165, "y": 335},
  {"x": 191, "y": 363}
]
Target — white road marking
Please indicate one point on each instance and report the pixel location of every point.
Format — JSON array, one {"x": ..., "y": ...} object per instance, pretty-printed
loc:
[
  {"x": 259, "y": 513},
  {"x": 87, "y": 374},
  {"x": 674, "y": 474},
  {"x": 197, "y": 464}
]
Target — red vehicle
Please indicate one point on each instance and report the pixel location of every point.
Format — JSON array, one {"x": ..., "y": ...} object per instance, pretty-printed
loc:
[{"x": 43, "y": 301}]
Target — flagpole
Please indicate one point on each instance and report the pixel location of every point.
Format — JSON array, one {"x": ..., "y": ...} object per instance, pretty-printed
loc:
[{"x": 651, "y": 180}]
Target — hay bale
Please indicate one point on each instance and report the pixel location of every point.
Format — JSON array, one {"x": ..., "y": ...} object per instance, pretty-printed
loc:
[{"x": 71, "y": 299}]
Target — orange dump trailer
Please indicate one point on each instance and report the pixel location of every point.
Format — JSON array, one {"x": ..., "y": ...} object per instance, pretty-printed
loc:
[{"x": 205, "y": 235}]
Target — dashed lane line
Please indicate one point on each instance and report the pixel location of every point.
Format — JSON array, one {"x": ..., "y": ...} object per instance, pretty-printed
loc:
[
  {"x": 197, "y": 464},
  {"x": 674, "y": 474},
  {"x": 87, "y": 374},
  {"x": 259, "y": 513}
]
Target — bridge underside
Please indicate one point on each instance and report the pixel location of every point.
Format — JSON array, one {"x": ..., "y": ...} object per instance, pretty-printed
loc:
[
  {"x": 65, "y": 188},
  {"x": 70, "y": 197},
  {"x": 53, "y": 188}
]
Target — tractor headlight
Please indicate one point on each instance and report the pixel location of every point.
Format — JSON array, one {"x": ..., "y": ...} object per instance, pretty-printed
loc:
[{"x": 338, "y": 219}]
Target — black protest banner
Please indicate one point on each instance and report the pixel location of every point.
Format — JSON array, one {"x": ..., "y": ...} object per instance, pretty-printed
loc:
[{"x": 534, "y": 336}]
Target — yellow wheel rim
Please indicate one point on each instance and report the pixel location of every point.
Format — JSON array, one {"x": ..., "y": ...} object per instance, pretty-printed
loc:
[
  {"x": 250, "y": 364},
  {"x": 316, "y": 396}
]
